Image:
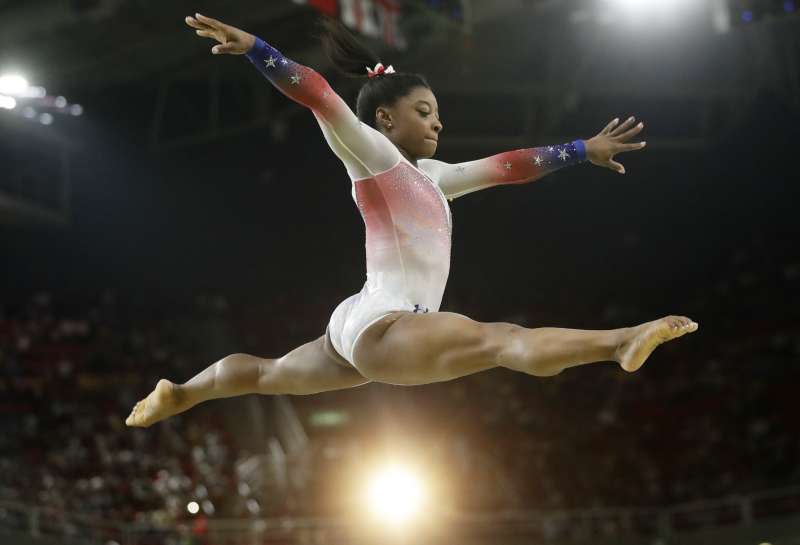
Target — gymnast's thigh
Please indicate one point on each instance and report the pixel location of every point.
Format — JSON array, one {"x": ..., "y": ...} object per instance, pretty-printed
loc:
[
  {"x": 418, "y": 348},
  {"x": 310, "y": 369}
]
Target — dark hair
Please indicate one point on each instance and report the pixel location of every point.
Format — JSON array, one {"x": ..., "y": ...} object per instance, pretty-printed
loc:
[{"x": 351, "y": 58}]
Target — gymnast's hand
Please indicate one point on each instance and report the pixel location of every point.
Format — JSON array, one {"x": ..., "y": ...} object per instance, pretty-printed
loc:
[
  {"x": 600, "y": 149},
  {"x": 232, "y": 40}
]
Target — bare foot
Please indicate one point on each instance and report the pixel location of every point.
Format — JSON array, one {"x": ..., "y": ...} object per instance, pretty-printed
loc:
[
  {"x": 644, "y": 338},
  {"x": 161, "y": 403}
]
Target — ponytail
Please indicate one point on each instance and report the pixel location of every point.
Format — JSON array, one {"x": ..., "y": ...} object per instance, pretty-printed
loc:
[
  {"x": 349, "y": 56},
  {"x": 351, "y": 59}
]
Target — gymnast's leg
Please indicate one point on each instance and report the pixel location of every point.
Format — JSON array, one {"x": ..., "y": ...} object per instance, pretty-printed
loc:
[
  {"x": 547, "y": 351},
  {"x": 308, "y": 369},
  {"x": 411, "y": 348}
]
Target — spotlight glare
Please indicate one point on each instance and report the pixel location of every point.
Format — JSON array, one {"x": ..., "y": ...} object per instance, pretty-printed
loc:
[
  {"x": 7, "y": 103},
  {"x": 76, "y": 109},
  {"x": 192, "y": 507},
  {"x": 638, "y": 10},
  {"x": 13, "y": 84},
  {"x": 60, "y": 102},
  {"x": 46, "y": 119},
  {"x": 395, "y": 495}
]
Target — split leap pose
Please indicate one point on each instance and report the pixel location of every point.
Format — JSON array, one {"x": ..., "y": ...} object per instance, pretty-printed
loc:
[{"x": 392, "y": 330}]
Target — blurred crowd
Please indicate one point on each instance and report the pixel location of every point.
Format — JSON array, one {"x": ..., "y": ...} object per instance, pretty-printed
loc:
[
  {"x": 707, "y": 417},
  {"x": 72, "y": 369}
]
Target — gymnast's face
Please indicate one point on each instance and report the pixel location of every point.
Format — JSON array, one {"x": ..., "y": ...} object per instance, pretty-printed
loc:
[{"x": 412, "y": 123}]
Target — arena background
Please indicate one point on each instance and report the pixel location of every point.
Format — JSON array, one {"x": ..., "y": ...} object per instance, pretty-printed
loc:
[{"x": 162, "y": 207}]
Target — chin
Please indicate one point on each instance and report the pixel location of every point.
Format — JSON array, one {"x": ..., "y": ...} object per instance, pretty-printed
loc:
[{"x": 429, "y": 150}]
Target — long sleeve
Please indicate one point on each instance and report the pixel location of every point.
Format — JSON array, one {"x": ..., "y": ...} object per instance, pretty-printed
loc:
[
  {"x": 363, "y": 150},
  {"x": 510, "y": 167}
]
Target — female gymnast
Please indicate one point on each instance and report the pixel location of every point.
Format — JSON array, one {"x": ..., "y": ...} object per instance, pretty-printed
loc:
[{"x": 392, "y": 330}]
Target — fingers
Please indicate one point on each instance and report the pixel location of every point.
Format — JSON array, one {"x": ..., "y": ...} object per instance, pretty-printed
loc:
[
  {"x": 616, "y": 166},
  {"x": 631, "y": 133},
  {"x": 631, "y": 147},
  {"x": 610, "y": 126},
  {"x": 208, "y": 20},
  {"x": 223, "y": 48},
  {"x": 194, "y": 23},
  {"x": 206, "y": 33},
  {"x": 619, "y": 130}
]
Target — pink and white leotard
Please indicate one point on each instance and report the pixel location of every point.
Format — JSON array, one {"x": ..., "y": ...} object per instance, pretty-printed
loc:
[{"x": 406, "y": 215}]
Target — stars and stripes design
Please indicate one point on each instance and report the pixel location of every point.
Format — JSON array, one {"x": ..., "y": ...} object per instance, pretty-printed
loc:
[
  {"x": 512, "y": 167},
  {"x": 525, "y": 165},
  {"x": 296, "y": 81}
]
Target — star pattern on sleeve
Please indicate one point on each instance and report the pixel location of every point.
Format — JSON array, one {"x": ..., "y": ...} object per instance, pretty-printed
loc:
[
  {"x": 507, "y": 165},
  {"x": 460, "y": 169},
  {"x": 270, "y": 62},
  {"x": 284, "y": 62},
  {"x": 538, "y": 160},
  {"x": 563, "y": 155},
  {"x": 295, "y": 79}
]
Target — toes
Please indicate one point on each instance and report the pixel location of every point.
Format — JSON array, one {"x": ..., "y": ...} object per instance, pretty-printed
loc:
[
  {"x": 131, "y": 420},
  {"x": 681, "y": 324}
]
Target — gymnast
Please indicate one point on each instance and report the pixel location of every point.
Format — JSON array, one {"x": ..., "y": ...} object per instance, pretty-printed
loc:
[{"x": 392, "y": 331}]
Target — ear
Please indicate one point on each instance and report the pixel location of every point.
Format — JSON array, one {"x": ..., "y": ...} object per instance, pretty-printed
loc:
[{"x": 382, "y": 115}]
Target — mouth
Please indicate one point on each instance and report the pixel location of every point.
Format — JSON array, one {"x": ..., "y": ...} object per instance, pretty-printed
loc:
[{"x": 432, "y": 139}]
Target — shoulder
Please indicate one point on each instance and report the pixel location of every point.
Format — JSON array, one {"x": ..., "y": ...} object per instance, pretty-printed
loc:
[{"x": 433, "y": 168}]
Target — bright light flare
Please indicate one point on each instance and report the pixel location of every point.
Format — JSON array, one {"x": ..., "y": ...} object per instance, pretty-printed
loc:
[
  {"x": 13, "y": 84},
  {"x": 7, "y": 103},
  {"x": 395, "y": 495},
  {"x": 648, "y": 10},
  {"x": 192, "y": 507}
]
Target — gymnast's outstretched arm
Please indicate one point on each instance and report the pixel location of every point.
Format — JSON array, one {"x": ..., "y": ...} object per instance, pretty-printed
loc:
[
  {"x": 362, "y": 149},
  {"x": 526, "y": 165},
  {"x": 509, "y": 167}
]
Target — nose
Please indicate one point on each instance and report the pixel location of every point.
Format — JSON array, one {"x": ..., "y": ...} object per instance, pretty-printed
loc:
[{"x": 437, "y": 126}]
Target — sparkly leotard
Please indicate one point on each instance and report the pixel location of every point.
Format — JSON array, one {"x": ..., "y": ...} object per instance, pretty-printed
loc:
[{"x": 406, "y": 215}]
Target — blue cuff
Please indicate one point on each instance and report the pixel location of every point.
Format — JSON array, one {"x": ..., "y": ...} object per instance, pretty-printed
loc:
[
  {"x": 256, "y": 51},
  {"x": 580, "y": 146}
]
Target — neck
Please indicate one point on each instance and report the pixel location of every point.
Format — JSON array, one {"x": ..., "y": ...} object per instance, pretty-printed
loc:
[{"x": 405, "y": 154}]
